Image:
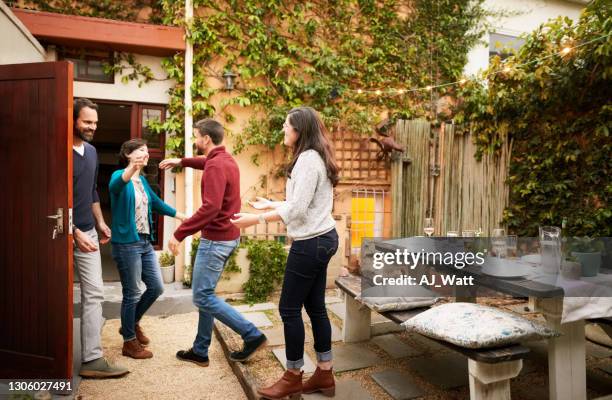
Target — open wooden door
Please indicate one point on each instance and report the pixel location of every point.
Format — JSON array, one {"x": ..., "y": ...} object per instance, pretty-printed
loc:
[{"x": 36, "y": 186}]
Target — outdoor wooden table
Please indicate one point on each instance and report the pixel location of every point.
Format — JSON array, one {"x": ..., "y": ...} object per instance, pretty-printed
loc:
[{"x": 566, "y": 354}]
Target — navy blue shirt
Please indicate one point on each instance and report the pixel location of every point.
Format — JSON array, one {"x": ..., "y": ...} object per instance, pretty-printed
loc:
[{"x": 84, "y": 188}]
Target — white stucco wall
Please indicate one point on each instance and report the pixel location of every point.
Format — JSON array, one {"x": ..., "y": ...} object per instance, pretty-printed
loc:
[
  {"x": 152, "y": 92},
  {"x": 532, "y": 14},
  {"x": 17, "y": 45}
]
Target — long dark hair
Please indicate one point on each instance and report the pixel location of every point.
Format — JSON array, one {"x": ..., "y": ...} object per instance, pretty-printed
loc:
[{"x": 312, "y": 135}]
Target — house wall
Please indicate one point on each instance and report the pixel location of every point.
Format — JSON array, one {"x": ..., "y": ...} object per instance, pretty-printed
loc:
[
  {"x": 17, "y": 45},
  {"x": 532, "y": 14}
]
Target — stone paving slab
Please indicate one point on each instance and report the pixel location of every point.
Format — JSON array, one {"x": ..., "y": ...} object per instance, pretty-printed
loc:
[
  {"x": 338, "y": 309},
  {"x": 607, "y": 369},
  {"x": 427, "y": 344},
  {"x": 308, "y": 367},
  {"x": 598, "y": 351},
  {"x": 353, "y": 356},
  {"x": 259, "y": 319},
  {"x": 276, "y": 336},
  {"x": 394, "y": 347},
  {"x": 333, "y": 299},
  {"x": 399, "y": 385},
  {"x": 255, "y": 307},
  {"x": 446, "y": 372},
  {"x": 345, "y": 390}
]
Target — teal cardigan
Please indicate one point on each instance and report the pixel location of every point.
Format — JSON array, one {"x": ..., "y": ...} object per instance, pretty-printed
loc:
[{"x": 123, "y": 206}]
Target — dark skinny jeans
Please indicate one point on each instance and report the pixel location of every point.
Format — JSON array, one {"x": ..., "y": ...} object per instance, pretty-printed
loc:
[{"x": 304, "y": 286}]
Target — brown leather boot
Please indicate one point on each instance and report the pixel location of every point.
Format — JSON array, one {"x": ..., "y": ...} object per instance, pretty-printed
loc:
[
  {"x": 290, "y": 385},
  {"x": 133, "y": 348},
  {"x": 141, "y": 336},
  {"x": 321, "y": 381}
]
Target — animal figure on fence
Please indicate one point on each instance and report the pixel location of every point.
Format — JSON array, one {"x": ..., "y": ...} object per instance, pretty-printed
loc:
[{"x": 387, "y": 144}]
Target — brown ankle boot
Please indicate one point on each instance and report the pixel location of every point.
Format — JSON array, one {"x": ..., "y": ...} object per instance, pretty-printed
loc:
[
  {"x": 141, "y": 336},
  {"x": 133, "y": 348},
  {"x": 321, "y": 381},
  {"x": 290, "y": 385}
]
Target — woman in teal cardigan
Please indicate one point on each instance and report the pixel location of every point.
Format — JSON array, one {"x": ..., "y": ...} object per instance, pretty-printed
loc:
[{"x": 132, "y": 203}]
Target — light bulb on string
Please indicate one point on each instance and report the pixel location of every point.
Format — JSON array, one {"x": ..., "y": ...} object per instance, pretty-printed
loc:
[
  {"x": 401, "y": 91},
  {"x": 428, "y": 88},
  {"x": 378, "y": 92},
  {"x": 566, "y": 51},
  {"x": 462, "y": 81},
  {"x": 359, "y": 91}
]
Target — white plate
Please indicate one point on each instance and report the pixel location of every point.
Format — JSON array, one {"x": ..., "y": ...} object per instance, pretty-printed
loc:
[
  {"x": 506, "y": 271},
  {"x": 532, "y": 258}
]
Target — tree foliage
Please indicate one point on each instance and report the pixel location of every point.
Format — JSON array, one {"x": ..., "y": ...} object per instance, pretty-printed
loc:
[{"x": 556, "y": 108}]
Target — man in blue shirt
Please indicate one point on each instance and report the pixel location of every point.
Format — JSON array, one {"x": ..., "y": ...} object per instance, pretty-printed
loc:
[{"x": 87, "y": 216}]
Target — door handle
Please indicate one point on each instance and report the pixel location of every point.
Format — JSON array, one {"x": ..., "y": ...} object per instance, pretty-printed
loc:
[{"x": 59, "y": 222}]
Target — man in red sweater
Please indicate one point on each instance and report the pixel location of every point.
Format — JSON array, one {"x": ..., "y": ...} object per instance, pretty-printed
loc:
[{"x": 220, "y": 201}]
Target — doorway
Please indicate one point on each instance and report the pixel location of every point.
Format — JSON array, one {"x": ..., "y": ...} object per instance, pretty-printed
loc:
[{"x": 117, "y": 123}]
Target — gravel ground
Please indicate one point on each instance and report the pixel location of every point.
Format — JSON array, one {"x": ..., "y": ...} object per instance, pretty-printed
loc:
[{"x": 163, "y": 376}]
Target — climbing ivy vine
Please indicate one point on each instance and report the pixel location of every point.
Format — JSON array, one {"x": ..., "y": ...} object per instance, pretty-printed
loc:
[
  {"x": 558, "y": 112},
  {"x": 290, "y": 53}
]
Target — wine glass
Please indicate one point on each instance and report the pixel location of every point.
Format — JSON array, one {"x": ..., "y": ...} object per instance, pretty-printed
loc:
[{"x": 429, "y": 226}]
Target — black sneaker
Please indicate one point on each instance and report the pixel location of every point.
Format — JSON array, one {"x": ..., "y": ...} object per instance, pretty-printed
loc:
[
  {"x": 189, "y": 355},
  {"x": 249, "y": 349}
]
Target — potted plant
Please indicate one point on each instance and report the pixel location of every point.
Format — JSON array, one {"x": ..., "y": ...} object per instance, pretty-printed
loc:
[
  {"x": 166, "y": 263},
  {"x": 588, "y": 252}
]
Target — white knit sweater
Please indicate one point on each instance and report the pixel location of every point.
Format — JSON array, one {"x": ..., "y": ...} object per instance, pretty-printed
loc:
[{"x": 307, "y": 212}]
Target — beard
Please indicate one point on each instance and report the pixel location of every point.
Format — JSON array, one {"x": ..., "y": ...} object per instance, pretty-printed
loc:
[{"x": 85, "y": 134}]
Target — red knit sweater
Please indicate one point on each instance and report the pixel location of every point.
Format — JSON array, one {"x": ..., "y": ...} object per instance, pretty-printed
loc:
[{"x": 220, "y": 197}]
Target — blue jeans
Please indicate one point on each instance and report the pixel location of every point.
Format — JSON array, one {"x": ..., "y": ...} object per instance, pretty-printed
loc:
[
  {"x": 136, "y": 261},
  {"x": 209, "y": 263}
]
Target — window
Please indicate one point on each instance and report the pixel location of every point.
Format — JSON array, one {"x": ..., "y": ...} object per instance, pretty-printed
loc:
[
  {"x": 89, "y": 64},
  {"x": 503, "y": 45}
]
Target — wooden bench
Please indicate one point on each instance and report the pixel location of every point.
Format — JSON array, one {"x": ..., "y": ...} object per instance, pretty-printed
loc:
[{"x": 490, "y": 370}]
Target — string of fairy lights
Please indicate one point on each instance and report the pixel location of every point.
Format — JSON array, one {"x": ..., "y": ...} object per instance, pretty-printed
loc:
[{"x": 507, "y": 68}]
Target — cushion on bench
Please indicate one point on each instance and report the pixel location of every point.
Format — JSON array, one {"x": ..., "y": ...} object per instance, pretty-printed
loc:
[{"x": 476, "y": 326}]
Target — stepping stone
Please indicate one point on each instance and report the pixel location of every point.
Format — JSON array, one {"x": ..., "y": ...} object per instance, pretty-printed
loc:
[
  {"x": 607, "y": 369},
  {"x": 353, "y": 356},
  {"x": 276, "y": 336},
  {"x": 336, "y": 333},
  {"x": 609, "y": 397},
  {"x": 258, "y": 319},
  {"x": 394, "y": 346},
  {"x": 446, "y": 372},
  {"x": 338, "y": 309},
  {"x": 427, "y": 344},
  {"x": 399, "y": 385},
  {"x": 333, "y": 299},
  {"x": 255, "y": 307},
  {"x": 345, "y": 390},
  {"x": 598, "y": 351},
  {"x": 308, "y": 367}
]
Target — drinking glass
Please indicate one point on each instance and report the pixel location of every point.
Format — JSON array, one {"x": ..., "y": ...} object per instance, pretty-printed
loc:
[
  {"x": 429, "y": 226},
  {"x": 550, "y": 246},
  {"x": 498, "y": 242},
  {"x": 511, "y": 245},
  {"x": 452, "y": 234},
  {"x": 468, "y": 233}
]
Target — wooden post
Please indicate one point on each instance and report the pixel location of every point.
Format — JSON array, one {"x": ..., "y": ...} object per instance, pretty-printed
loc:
[
  {"x": 357, "y": 319},
  {"x": 566, "y": 354},
  {"x": 492, "y": 381}
]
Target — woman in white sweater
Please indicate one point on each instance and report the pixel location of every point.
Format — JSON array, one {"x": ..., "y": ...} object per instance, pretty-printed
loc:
[{"x": 312, "y": 174}]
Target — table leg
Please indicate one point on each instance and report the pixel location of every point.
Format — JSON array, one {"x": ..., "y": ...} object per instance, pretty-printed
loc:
[
  {"x": 357, "y": 319},
  {"x": 566, "y": 354}
]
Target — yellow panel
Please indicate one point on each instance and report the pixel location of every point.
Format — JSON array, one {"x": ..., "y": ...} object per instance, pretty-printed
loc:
[{"x": 362, "y": 219}]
